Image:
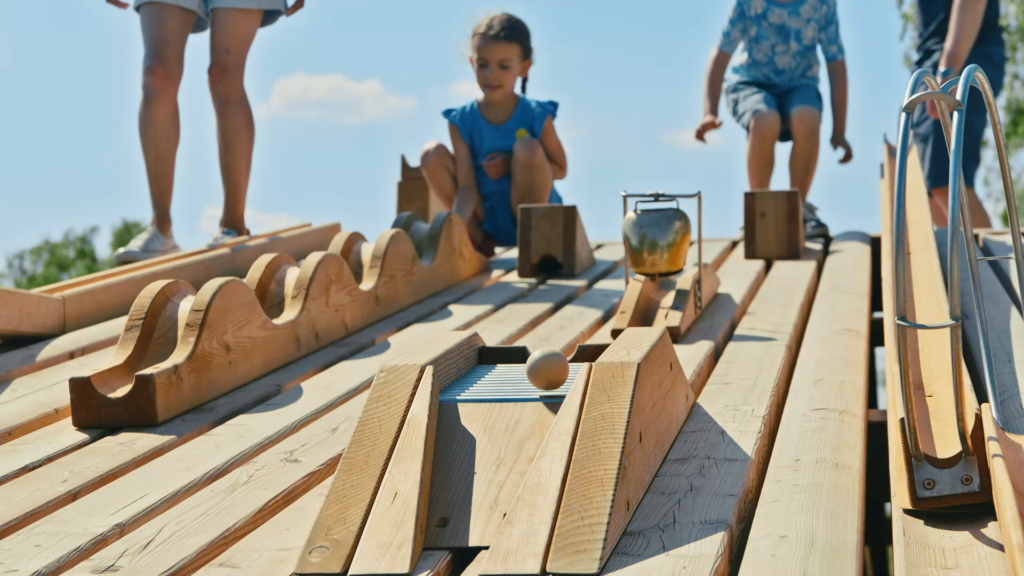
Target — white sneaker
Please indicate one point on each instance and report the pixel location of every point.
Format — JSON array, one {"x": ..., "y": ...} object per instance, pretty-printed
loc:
[
  {"x": 223, "y": 236},
  {"x": 149, "y": 243}
]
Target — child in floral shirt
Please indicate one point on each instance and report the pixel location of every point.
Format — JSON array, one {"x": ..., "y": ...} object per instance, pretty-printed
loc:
[{"x": 774, "y": 94}]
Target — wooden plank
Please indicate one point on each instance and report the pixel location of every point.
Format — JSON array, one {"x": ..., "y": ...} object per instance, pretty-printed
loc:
[
  {"x": 69, "y": 479},
  {"x": 24, "y": 313},
  {"x": 810, "y": 515},
  {"x": 233, "y": 506},
  {"x": 29, "y": 452},
  {"x": 694, "y": 511},
  {"x": 521, "y": 545},
  {"x": 228, "y": 339},
  {"x": 35, "y": 357},
  {"x": 637, "y": 390},
  {"x": 1006, "y": 460},
  {"x": 773, "y": 224},
  {"x": 112, "y": 297},
  {"x": 921, "y": 542},
  {"x": 392, "y": 539},
  {"x": 578, "y": 320},
  {"x": 552, "y": 241}
]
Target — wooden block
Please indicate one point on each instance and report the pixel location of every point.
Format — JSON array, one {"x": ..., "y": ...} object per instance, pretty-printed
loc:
[
  {"x": 810, "y": 515},
  {"x": 227, "y": 339},
  {"x": 679, "y": 309},
  {"x": 521, "y": 545},
  {"x": 552, "y": 241},
  {"x": 392, "y": 539},
  {"x": 24, "y": 313},
  {"x": 641, "y": 302},
  {"x": 414, "y": 195},
  {"x": 333, "y": 539},
  {"x": 636, "y": 403},
  {"x": 773, "y": 226}
]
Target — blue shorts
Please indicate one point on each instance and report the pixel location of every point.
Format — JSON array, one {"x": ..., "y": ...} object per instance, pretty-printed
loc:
[
  {"x": 272, "y": 9},
  {"x": 746, "y": 98},
  {"x": 931, "y": 142}
]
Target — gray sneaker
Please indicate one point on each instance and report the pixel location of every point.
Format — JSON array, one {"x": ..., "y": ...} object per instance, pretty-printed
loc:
[
  {"x": 223, "y": 236},
  {"x": 149, "y": 243},
  {"x": 813, "y": 226}
]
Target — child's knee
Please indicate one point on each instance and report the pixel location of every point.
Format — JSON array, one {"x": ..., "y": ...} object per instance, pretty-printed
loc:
[
  {"x": 527, "y": 152},
  {"x": 765, "y": 126},
  {"x": 434, "y": 156},
  {"x": 804, "y": 121}
]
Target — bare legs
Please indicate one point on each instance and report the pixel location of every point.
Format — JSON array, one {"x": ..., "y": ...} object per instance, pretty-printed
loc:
[
  {"x": 762, "y": 135},
  {"x": 165, "y": 30},
  {"x": 939, "y": 203},
  {"x": 805, "y": 125}
]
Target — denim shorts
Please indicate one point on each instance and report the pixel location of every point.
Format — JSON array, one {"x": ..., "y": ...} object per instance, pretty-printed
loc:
[
  {"x": 746, "y": 98},
  {"x": 931, "y": 142},
  {"x": 272, "y": 9}
]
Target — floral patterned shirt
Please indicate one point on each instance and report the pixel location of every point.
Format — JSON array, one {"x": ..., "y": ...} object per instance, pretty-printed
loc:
[{"x": 780, "y": 39}]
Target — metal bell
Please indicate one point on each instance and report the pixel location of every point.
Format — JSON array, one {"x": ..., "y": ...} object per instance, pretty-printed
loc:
[{"x": 657, "y": 240}]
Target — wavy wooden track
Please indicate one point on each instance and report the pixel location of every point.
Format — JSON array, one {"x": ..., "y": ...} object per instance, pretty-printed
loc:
[{"x": 233, "y": 331}]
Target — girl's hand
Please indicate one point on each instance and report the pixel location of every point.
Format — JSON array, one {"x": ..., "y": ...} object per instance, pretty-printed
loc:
[
  {"x": 839, "y": 141},
  {"x": 708, "y": 124},
  {"x": 117, "y": 3},
  {"x": 497, "y": 165},
  {"x": 295, "y": 7}
]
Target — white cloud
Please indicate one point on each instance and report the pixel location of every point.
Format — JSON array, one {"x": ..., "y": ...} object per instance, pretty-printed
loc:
[
  {"x": 334, "y": 97},
  {"x": 258, "y": 222},
  {"x": 465, "y": 89},
  {"x": 684, "y": 139}
]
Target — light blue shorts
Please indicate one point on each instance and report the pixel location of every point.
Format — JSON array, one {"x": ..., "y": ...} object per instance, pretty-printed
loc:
[
  {"x": 746, "y": 98},
  {"x": 272, "y": 9}
]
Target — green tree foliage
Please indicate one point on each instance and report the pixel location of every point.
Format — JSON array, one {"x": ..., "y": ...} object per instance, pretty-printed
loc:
[{"x": 74, "y": 254}]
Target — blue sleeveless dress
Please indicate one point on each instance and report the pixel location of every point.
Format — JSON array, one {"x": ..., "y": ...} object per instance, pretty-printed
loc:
[{"x": 484, "y": 138}]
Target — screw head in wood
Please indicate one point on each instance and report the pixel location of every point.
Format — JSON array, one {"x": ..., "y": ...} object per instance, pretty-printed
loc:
[
  {"x": 966, "y": 480},
  {"x": 929, "y": 484},
  {"x": 547, "y": 369}
]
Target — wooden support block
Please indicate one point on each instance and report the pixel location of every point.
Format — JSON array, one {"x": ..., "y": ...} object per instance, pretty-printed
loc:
[
  {"x": 552, "y": 241},
  {"x": 522, "y": 542},
  {"x": 679, "y": 309},
  {"x": 338, "y": 528},
  {"x": 226, "y": 338},
  {"x": 773, "y": 226},
  {"x": 414, "y": 195},
  {"x": 637, "y": 401},
  {"x": 392, "y": 539},
  {"x": 641, "y": 302},
  {"x": 24, "y": 313}
]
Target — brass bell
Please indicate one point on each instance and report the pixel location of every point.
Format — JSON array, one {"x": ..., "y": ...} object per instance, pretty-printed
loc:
[{"x": 657, "y": 240}]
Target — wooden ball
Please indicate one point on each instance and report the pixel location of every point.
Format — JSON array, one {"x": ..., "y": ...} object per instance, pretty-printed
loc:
[{"x": 547, "y": 369}]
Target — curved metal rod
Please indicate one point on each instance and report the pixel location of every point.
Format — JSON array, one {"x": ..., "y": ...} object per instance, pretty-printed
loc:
[{"x": 899, "y": 258}]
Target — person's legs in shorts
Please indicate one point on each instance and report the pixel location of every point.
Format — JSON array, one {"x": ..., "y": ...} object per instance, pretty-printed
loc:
[
  {"x": 756, "y": 110},
  {"x": 801, "y": 114},
  {"x": 437, "y": 163}
]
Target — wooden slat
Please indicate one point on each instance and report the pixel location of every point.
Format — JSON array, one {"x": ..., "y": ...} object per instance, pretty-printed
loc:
[
  {"x": 68, "y": 479},
  {"x": 580, "y": 319},
  {"x": 24, "y": 313},
  {"x": 33, "y": 450},
  {"x": 521, "y": 544},
  {"x": 35, "y": 357},
  {"x": 921, "y": 543},
  {"x": 810, "y": 515},
  {"x": 703, "y": 494}
]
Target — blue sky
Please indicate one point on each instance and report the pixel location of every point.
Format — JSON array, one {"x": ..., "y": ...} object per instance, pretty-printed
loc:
[{"x": 628, "y": 76}]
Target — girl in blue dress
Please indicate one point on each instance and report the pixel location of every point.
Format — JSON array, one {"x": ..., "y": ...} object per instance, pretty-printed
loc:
[{"x": 505, "y": 151}]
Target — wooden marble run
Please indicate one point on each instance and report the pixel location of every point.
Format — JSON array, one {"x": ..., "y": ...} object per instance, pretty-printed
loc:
[
  {"x": 80, "y": 302},
  {"x": 182, "y": 348},
  {"x": 462, "y": 451}
]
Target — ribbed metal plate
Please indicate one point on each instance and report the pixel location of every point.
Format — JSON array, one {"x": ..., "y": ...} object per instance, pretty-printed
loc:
[{"x": 503, "y": 383}]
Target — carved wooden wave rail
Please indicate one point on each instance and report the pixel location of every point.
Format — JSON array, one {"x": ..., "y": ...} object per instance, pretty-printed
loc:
[
  {"x": 182, "y": 348},
  {"x": 80, "y": 302}
]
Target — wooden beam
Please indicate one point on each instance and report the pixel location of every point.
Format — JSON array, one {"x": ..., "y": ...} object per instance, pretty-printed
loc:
[
  {"x": 392, "y": 539},
  {"x": 695, "y": 509},
  {"x": 227, "y": 339},
  {"x": 521, "y": 545},
  {"x": 552, "y": 241},
  {"x": 24, "y": 313},
  {"x": 639, "y": 390},
  {"x": 71, "y": 478},
  {"x": 579, "y": 319},
  {"x": 810, "y": 515},
  {"x": 33, "y": 450},
  {"x": 773, "y": 226},
  {"x": 35, "y": 357}
]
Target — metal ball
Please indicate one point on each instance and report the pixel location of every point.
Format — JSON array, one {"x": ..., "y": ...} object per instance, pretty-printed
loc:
[{"x": 547, "y": 369}]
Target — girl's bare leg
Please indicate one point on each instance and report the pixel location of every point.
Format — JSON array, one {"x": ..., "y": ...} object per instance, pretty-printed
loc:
[
  {"x": 438, "y": 166},
  {"x": 532, "y": 179}
]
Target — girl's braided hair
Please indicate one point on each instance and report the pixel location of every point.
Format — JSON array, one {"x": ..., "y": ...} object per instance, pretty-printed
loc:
[{"x": 505, "y": 27}]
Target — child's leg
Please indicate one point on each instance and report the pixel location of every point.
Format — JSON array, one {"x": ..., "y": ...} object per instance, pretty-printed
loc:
[
  {"x": 762, "y": 134},
  {"x": 438, "y": 166},
  {"x": 532, "y": 179},
  {"x": 804, "y": 123}
]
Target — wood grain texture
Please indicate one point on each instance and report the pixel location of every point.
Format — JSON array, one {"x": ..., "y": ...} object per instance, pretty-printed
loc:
[
  {"x": 392, "y": 539},
  {"x": 637, "y": 401},
  {"x": 227, "y": 339},
  {"x": 1006, "y": 461},
  {"x": 579, "y": 319},
  {"x": 552, "y": 241},
  {"x": 773, "y": 224},
  {"x": 810, "y": 515},
  {"x": 922, "y": 542},
  {"x": 522, "y": 541},
  {"x": 35, "y": 357},
  {"x": 24, "y": 313},
  {"x": 703, "y": 495},
  {"x": 31, "y": 451},
  {"x": 51, "y": 487}
]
